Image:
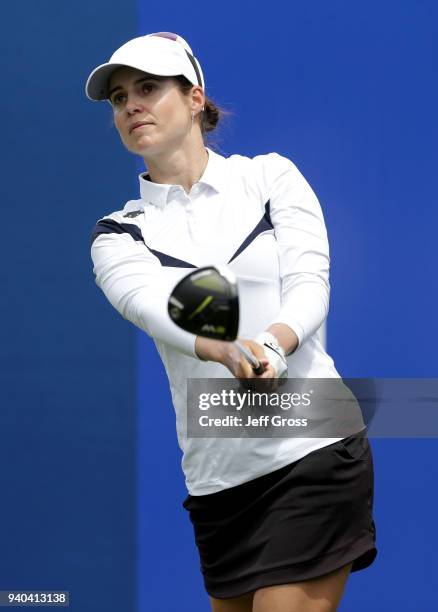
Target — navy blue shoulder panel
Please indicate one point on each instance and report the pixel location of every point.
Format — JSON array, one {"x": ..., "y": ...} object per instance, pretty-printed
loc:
[
  {"x": 171, "y": 262},
  {"x": 263, "y": 225},
  {"x": 109, "y": 226}
]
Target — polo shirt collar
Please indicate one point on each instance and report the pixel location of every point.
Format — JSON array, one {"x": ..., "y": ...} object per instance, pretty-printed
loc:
[
  {"x": 158, "y": 193},
  {"x": 214, "y": 173}
]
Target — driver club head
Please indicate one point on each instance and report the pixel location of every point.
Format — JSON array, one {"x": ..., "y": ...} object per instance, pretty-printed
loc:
[{"x": 206, "y": 303}]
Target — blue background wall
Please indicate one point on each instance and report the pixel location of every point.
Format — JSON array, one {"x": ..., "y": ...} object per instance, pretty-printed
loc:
[
  {"x": 89, "y": 465},
  {"x": 68, "y": 364}
]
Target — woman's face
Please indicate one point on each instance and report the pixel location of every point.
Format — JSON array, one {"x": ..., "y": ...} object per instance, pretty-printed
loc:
[{"x": 151, "y": 114}]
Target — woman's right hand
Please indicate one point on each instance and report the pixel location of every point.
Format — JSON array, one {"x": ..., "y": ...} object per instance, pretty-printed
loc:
[{"x": 229, "y": 355}]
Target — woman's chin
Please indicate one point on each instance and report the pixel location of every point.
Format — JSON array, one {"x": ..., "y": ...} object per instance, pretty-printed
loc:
[{"x": 142, "y": 148}]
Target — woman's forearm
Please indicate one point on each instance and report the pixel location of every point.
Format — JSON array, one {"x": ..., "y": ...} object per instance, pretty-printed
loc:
[{"x": 286, "y": 337}]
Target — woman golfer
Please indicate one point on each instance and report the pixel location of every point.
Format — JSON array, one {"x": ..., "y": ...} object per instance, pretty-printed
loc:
[{"x": 279, "y": 522}]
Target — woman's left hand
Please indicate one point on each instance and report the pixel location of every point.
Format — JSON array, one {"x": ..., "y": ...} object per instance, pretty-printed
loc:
[{"x": 267, "y": 381}]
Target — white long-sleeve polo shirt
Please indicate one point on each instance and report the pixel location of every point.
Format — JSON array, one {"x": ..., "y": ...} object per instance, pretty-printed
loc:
[{"x": 260, "y": 217}]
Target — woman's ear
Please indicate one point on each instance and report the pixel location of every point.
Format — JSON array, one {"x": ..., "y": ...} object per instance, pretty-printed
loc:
[{"x": 198, "y": 99}]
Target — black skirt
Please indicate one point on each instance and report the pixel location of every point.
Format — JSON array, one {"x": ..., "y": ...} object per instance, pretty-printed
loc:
[{"x": 299, "y": 522}]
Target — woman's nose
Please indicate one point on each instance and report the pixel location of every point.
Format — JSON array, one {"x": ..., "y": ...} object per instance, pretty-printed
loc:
[{"x": 133, "y": 105}]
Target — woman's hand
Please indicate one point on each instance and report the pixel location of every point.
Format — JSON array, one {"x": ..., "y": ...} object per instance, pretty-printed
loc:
[{"x": 229, "y": 355}]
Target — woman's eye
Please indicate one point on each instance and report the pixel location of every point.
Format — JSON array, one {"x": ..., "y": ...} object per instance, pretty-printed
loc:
[
  {"x": 148, "y": 87},
  {"x": 117, "y": 99}
]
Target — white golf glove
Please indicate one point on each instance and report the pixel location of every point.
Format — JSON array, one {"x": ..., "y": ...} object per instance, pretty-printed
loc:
[{"x": 274, "y": 353}]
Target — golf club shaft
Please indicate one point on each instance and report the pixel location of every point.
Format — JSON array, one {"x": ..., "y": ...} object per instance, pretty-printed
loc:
[{"x": 255, "y": 363}]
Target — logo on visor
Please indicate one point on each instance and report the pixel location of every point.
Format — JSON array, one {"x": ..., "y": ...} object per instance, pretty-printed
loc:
[{"x": 166, "y": 35}]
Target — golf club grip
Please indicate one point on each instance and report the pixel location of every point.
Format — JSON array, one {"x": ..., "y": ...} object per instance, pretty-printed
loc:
[
  {"x": 261, "y": 368},
  {"x": 255, "y": 363}
]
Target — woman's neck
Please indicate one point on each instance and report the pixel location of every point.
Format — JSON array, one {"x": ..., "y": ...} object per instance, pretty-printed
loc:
[{"x": 181, "y": 167}]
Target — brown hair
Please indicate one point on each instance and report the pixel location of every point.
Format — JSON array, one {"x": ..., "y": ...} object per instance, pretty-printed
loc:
[{"x": 211, "y": 114}]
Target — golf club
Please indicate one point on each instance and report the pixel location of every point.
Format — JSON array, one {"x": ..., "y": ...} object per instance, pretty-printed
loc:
[{"x": 206, "y": 303}]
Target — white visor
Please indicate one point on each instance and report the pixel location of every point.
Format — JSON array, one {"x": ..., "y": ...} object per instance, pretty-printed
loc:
[{"x": 161, "y": 54}]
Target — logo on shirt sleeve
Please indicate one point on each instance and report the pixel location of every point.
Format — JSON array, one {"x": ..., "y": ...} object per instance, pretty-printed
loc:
[{"x": 133, "y": 213}]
